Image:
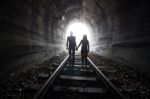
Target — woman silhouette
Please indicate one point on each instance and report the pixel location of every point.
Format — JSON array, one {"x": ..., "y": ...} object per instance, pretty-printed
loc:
[{"x": 84, "y": 49}]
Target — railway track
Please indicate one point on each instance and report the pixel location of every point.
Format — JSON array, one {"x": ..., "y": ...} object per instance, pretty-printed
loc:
[{"x": 71, "y": 81}]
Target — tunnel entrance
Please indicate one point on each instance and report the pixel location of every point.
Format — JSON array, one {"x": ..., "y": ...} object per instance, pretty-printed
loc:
[{"x": 79, "y": 29}]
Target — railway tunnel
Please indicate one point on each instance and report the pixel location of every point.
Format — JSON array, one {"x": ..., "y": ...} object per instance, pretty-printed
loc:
[{"x": 33, "y": 31}]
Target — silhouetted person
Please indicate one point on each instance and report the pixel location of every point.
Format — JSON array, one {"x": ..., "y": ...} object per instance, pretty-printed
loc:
[
  {"x": 71, "y": 45},
  {"x": 84, "y": 49}
]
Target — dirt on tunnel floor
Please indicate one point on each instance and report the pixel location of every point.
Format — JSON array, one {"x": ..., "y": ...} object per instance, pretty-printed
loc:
[{"x": 131, "y": 82}]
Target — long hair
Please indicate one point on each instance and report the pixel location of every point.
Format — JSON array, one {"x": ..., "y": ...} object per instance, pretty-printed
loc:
[{"x": 84, "y": 37}]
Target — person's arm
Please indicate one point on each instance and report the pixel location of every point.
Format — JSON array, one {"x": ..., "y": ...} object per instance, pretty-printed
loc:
[
  {"x": 79, "y": 44},
  {"x": 67, "y": 43},
  {"x": 88, "y": 46}
]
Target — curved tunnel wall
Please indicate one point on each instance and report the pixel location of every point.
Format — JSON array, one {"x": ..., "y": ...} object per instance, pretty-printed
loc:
[
  {"x": 126, "y": 36},
  {"x": 131, "y": 39},
  {"x": 122, "y": 30},
  {"x": 31, "y": 30},
  {"x": 27, "y": 35}
]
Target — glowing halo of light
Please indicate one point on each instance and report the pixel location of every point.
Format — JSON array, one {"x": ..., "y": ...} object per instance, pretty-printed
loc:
[{"x": 78, "y": 29}]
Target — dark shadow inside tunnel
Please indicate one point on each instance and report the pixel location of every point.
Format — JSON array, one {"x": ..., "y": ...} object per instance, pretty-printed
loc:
[{"x": 32, "y": 31}]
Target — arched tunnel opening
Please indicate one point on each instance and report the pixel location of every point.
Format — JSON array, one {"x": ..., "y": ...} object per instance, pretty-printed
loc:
[
  {"x": 79, "y": 29},
  {"x": 34, "y": 31}
]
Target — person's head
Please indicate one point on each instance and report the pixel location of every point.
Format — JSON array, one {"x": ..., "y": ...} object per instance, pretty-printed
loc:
[
  {"x": 84, "y": 37},
  {"x": 71, "y": 33}
]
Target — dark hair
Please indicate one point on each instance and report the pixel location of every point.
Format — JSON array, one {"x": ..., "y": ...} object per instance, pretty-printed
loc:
[{"x": 84, "y": 37}]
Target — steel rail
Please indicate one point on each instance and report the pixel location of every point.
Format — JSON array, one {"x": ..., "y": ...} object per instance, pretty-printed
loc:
[
  {"x": 107, "y": 81},
  {"x": 40, "y": 94}
]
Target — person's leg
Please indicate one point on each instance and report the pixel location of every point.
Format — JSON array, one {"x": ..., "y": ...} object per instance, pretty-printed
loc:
[
  {"x": 86, "y": 58},
  {"x": 70, "y": 56},
  {"x": 73, "y": 53},
  {"x": 69, "y": 51},
  {"x": 82, "y": 58},
  {"x": 73, "y": 56}
]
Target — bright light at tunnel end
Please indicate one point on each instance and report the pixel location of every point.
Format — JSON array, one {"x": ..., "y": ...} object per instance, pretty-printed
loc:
[{"x": 78, "y": 29}]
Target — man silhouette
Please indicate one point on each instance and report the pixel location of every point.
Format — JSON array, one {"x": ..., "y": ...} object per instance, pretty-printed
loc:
[{"x": 71, "y": 45}]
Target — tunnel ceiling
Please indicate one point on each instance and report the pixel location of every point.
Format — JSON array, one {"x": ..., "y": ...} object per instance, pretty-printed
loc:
[
  {"x": 98, "y": 14},
  {"x": 33, "y": 30},
  {"x": 84, "y": 10},
  {"x": 112, "y": 22},
  {"x": 37, "y": 26}
]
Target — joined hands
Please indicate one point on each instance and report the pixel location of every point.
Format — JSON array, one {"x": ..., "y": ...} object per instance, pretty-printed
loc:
[{"x": 76, "y": 48}]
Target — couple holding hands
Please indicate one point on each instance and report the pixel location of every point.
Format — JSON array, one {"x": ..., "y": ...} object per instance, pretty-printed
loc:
[{"x": 71, "y": 46}]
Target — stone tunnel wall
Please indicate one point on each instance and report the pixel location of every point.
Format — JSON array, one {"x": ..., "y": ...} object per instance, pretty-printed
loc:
[
  {"x": 122, "y": 32},
  {"x": 27, "y": 34},
  {"x": 131, "y": 39},
  {"x": 30, "y": 31}
]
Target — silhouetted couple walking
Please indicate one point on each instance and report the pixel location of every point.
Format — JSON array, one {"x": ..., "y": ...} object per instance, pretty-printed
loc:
[{"x": 71, "y": 46}]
